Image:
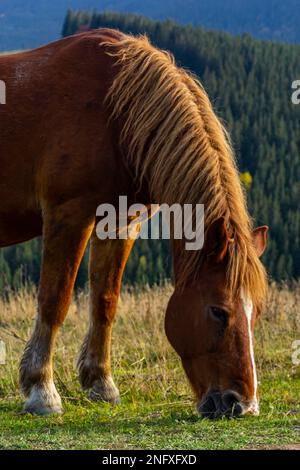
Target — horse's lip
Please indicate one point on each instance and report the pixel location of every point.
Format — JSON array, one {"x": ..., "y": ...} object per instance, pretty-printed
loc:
[{"x": 251, "y": 408}]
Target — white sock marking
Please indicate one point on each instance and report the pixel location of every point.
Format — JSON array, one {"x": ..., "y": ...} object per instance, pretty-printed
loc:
[{"x": 44, "y": 399}]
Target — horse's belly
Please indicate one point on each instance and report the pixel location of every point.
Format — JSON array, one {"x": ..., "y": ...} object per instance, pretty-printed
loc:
[{"x": 16, "y": 227}]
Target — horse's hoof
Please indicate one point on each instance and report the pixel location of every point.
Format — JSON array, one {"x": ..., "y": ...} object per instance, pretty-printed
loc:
[
  {"x": 105, "y": 390},
  {"x": 41, "y": 411},
  {"x": 96, "y": 396},
  {"x": 43, "y": 401}
]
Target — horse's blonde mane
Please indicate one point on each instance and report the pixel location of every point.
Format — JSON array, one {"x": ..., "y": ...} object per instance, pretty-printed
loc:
[{"x": 178, "y": 144}]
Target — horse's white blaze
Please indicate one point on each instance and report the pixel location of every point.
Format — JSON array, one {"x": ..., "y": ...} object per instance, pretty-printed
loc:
[{"x": 248, "y": 309}]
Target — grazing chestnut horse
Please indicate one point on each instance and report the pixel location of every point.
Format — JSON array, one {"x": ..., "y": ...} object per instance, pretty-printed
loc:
[{"x": 102, "y": 114}]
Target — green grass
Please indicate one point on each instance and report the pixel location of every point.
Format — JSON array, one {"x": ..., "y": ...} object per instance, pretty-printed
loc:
[
  {"x": 157, "y": 410},
  {"x": 155, "y": 425}
]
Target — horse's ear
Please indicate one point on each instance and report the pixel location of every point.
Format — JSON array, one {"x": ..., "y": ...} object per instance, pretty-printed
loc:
[
  {"x": 217, "y": 240},
  {"x": 259, "y": 236}
]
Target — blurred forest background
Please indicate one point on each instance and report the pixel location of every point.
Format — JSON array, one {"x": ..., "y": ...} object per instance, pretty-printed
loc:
[
  {"x": 249, "y": 82},
  {"x": 30, "y": 23}
]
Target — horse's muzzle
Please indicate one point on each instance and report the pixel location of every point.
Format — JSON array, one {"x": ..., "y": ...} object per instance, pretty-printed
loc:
[{"x": 216, "y": 404}]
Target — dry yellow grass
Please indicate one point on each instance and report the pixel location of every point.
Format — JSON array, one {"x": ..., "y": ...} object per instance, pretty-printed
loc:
[
  {"x": 142, "y": 357},
  {"x": 143, "y": 361}
]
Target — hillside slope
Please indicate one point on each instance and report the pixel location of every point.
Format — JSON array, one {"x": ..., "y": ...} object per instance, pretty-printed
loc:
[{"x": 28, "y": 23}]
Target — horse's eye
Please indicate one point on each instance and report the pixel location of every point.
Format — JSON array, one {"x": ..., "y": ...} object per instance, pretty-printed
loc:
[{"x": 219, "y": 314}]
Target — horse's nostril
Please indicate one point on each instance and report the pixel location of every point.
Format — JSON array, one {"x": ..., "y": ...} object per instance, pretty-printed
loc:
[
  {"x": 230, "y": 398},
  {"x": 232, "y": 403},
  {"x": 211, "y": 406},
  {"x": 207, "y": 408},
  {"x": 237, "y": 409}
]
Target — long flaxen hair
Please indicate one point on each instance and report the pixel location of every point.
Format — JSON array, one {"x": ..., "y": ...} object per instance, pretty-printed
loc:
[{"x": 175, "y": 141}]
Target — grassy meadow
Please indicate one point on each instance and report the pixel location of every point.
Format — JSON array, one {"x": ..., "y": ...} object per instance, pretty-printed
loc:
[{"x": 157, "y": 410}]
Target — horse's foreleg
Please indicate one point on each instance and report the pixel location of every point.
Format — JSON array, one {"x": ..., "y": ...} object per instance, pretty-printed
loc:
[
  {"x": 107, "y": 262},
  {"x": 64, "y": 241}
]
